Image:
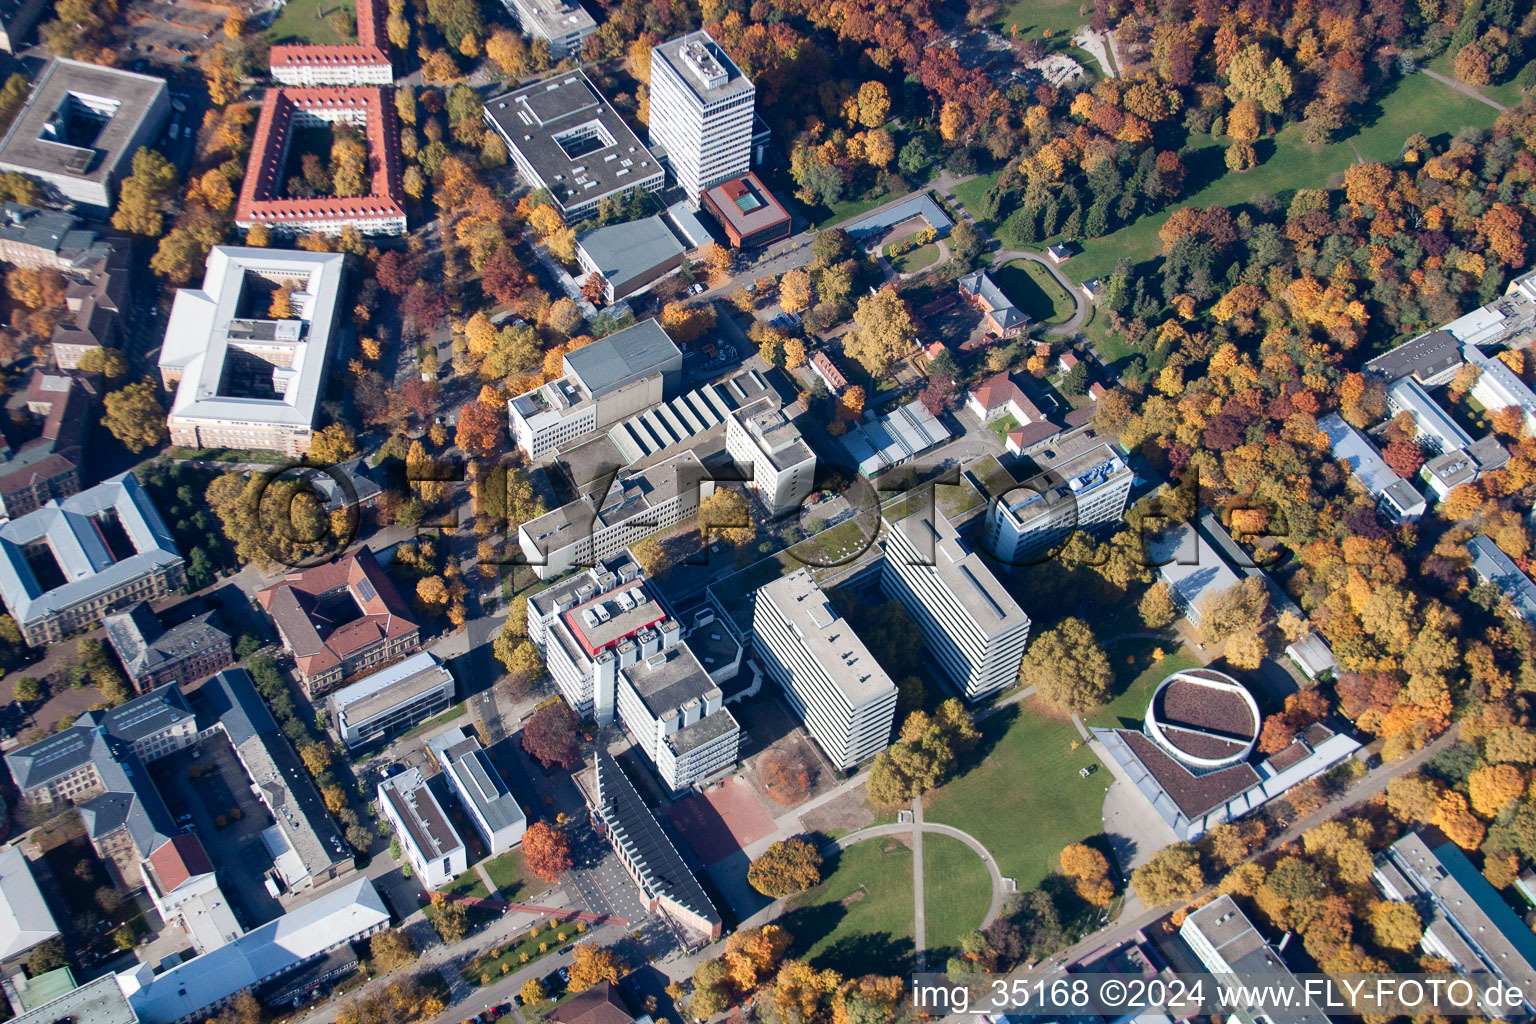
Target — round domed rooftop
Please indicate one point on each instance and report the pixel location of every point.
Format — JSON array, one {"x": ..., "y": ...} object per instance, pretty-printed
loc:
[{"x": 1204, "y": 719}]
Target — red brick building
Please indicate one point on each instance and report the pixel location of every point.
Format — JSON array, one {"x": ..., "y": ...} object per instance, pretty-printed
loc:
[{"x": 748, "y": 212}]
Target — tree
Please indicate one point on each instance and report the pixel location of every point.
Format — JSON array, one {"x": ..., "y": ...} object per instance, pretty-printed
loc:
[
  {"x": 391, "y": 949},
  {"x": 795, "y": 291},
  {"x": 1157, "y": 607},
  {"x": 143, "y": 193},
  {"x": 333, "y": 444},
  {"x": 753, "y": 954},
  {"x": 885, "y": 332},
  {"x": 316, "y": 758},
  {"x": 787, "y": 867},
  {"x": 652, "y": 556},
  {"x": 550, "y": 736},
  {"x": 109, "y": 362},
  {"x": 726, "y": 514},
  {"x": 1491, "y": 788},
  {"x": 49, "y": 956},
  {"x": 479, "y": 428},
  {"x": 135, "y": 416},
  {"x": 1089, "y": 871},
  {"x": 1245, "y": 649},
  {"x": 1171, "y": 876},
  {"x": 594, "y": 288},
  {"x": 1242, "y": 606},
  {"x": 713, "y": 989},
  {"x": 1396, "y": 925},
  {"x": 546, "y": 852},
  {"x": 533, "y": 992},
  {"x": 925, "y": 756},
  {"x": 449, "y": 918},
  {"x": 28, "y": 690},
  {"x": 1068, "y": 668},
  {"x": 591, "y": 964}
]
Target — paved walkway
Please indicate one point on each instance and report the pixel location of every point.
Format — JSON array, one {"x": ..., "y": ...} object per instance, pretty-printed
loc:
[
  {"x": 919, "y": 906},
  {"x": 999, "y": 894},
  {"x": 1003, "y": 257},
  {"x": 1463, "y": 88}
]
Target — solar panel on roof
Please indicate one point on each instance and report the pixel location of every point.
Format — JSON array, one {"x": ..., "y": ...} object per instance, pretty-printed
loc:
[{"x": 365, "y": 587}]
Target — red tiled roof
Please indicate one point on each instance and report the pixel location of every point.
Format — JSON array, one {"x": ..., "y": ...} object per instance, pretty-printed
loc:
[
  {"x": 1069, "y": 360},
  {"x": 292, "y": 604},
  {"x": 260, "y": 196},
  {"x": 371, "y": 48},
  {"x": 829, "y": 370},
  {"x": 1195, "y": 795},
  {"x": 177, "y": 861},
  {"x": 997, "y": 390}
]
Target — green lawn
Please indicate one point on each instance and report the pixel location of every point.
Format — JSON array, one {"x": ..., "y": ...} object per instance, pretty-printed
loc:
[
  {"x": 468, "y": 884},
  {"x": 1421, "y": 104},
  {"x": 446, "y": 716},
  {"x": 1024, "y": 798},
  {"x": 308, "y": 21},
  {"x": 969, "y": 193},
  {"x": 1033, "y": 18},
  {"x": 502, "y": 960},
  {"x": 1035, "y": 291},
  {"x": 1003, "y": 425},
  {"x": 507, "y": 875},
  {"x": 956, "y": 894},
  {"x": 1136, "y": 676},
  {"x": 859, "y": 920},
  {"x": 1508, "y": 93},
  {"x": 917, "y": 259}
]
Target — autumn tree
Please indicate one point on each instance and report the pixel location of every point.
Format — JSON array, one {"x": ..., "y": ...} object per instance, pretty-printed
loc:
[
  {"x": 1492, "y": 788},
  {"x": 727, "y": 515},
  {"x": 550, "y": 736},
  {"x": 448, "y": 917},
  {"x": 533, "y": 992},
  {"x": 143, "y": 194},
  {"x": 1171, "y": 876},
  {"x": 884, "y": 332},
  {"x": 391, "y": 949},
  {"x": 546, "y": 852},
  {"x": 333, "y": 444},
  {"x": 787, "y": 867},
  {"x": 1396, "y": 925},
  {"x": 591, "y": 964},
  {"x": 652, "y": 556},
  {"x": 1089, "y": 871},
  {"x": 753, "y": 954},
  {"x": 1157, "y": 607},
  {"x": 926, "y": 754},
  {"x": 795, "y": 291},
  {"x": 135, "y": 416},
  {"x": 1068, "y": 668},
  {"x": 479, "y": 429}
]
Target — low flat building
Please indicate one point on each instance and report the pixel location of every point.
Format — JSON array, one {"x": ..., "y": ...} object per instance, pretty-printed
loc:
[
  {"x": 1229, "y": 946},
  {"x": 601, "y": 384},
  {"x": 340, "y": 619},
  {"x": 1001, "y": 316},
  {"x": 243, "y": 378},
  {"x": 46, "y": 465},
  {"x": 1395, "y": 497},
  {"x": 1466, "y": 921},
  {"x": 1444, "y": 473},
  {"x": 391, "y": 701},
  {"x": 563, "y": 24},
  {"x": 564, "y": 137},
  {"x": 1192, "y": 569},
  {"x": 883, "y": 443},
  {"x": 484, "y": 794},
  {"x": 783, "y": 467},
  {"x": 1430, "y": 359},
  {"x": 200, "y": 987},
  {"x": 691, "y": 418},
  {"x": 63, "y": 565},
  {"x": 1435, "y": 429},
  {"x": 98, "y": 1002},
  {"x": 629, "y": 257},
  {"x": 1492, "y": 566},
  {"x": 153, "y": 655},
  {"x": 180, "y": 880},
  {"x": 1079, "y": 486},
  {"x": 646, "y": 852},
  {"x": 426, "y": 836},
  {"x": 881, "y": 221},
  {"x": 748, "y": 212},
  {"x": 677, "y": 716},
  {"x": 51, "y": 239},
  {"x": 975, "y": 631},
  {"x": 25, "y": 920},
  {"x": 828, "y": 676},
  {"x": 80, "y": 127}
]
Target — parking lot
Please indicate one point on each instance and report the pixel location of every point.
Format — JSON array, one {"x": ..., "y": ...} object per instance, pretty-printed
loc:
[
  {"x": 171, "y": 33},
  {"x": 220, "y": 789}
]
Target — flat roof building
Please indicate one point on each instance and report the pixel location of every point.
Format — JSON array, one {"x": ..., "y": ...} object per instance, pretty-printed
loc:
[
  {"x": 1431, "y": 359},
  {"x": 153, "y": 654},
  {"x": 100, "y": 1002},
  {"x": 1397, "y": 499},
  {"x": 1493, "y": 566},
  {"x": 31, "y": 237},
  {"x": 975, "y": 630},
  {"x": 25, "y": 920},
  {"x": 1080, "y": 485},
  {"x": 701, "y": 112},
  {"x": 762, "y": 437},
  {"x": 242, "y": 377},
  {"x": 829, "y": 678},
  {"x": 1499, "y": 387},
  {"x": 80, "y": 128},
  {"x": 391, "y": 701},
  {"x": 631, "y": 256},
  {"x": 488, "y": 801},
  {"x": 563, "y": 136},
  {"x": 64, "y": 564},
  {"x": 426, "y": 835},
  {"x": 748, "y": 212},
  {"x": 1229, "y": 946},
  {"x": 677, "y": 716},
  {"x": 901, "y": 435},
  {"x": 563, "y": 24}
]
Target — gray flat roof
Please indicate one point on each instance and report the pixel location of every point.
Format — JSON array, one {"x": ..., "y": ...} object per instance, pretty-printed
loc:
[
  {"x": 390, "y": 687},
  {"x": 1365, "y": 462},
  {"x": 1494, "y": 566},
  {"x": 427, "y": 827},
  {"x": 942, "y": 551},
  {"x": 623, "y": 357},
  {"x": 623, "y": 252},
  {"x": 704, "y": 730},
  {"x": 704, "y": 67},
  {"x": 668, "y": 679},
  {"x": 828, "y": 637},
  {"x": 1422, "y": 357},
  {"x": 475, "y": 778},
  {"x": 126, "y": 97},
  {"x": 773, "y": 433}
]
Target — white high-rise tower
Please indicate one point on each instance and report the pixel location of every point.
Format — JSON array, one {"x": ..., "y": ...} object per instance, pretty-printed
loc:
[{"x": 701, "y": 112}]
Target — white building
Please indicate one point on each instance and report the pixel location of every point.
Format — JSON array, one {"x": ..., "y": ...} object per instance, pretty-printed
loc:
[
  {"x": 484, "y": 793},
  {"x": 601, "y": 384},
  {"x": 677, "y": 716},
  {"x": 25, "y": 920},
  {"x": 391, "y": 700},
  {"x": 1230, "y": 947},
  {"x": 564, "y": 26},
  {"x": 426, "y": 836},
  {"x": 180, "y": 880},
  {"x": 244, "y": 378},
  {"x": 783, "y": 465},
  {"x": 973, "y": 627},
  {"x": 1396, "y": 498},
  {"x": 701, "y": 112},
  {"x": 1499, "y": 387},
  {"x": 1082, "y": 485},
  {"x": 829, "y": 677}
]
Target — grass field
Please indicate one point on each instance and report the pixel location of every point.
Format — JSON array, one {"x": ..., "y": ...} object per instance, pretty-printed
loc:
[
  {"x": 1508, "y": 93},
  {"x": 956, "y": 894},
  {"x": 859, "y": 920},
  {"x": 1035, "y": 291},
  {"x": 1023, "y": 798},
  {"x": 507, "y": 875},
  {"x": 917, "y": 259},
  {"x": 1137, "y": 674},
  {"x": 467, "y": 884},
  {"x": 308, "y": 21}
]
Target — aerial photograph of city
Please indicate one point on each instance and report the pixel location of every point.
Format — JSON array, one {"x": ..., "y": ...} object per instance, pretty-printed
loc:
[{"x": 767, "y": 511}]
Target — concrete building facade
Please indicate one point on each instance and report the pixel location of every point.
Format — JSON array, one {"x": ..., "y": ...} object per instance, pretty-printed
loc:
[
  {"x": 391, "y": 700},
  {"x": 783, "y": 467},
  {"x": 426, "y": 835},
  {"x": 701, "y": 112}
]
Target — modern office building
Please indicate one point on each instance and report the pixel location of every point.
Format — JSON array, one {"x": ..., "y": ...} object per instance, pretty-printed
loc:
[
  {"x": 600, "y": 524},
  {"x": 563, "y": 136},
  {"x": 748, "y": 212},
  {"x": 975, "y": 630},
  {"x": 563, "y": 24},
  {"x": 242, "y": 377},
  {"x": 677, "y": 715},
  {"x": 1466, "y": 921},
  {"x": 101, "y": 1002},
  {"x": 830, "y": 679},
  {"x": 1230, "y": 947},
  {"x": 783, "y": 467},
  {"x": 365, "y": 62},
  {"x": 1079, "y": 486},
  {"x": 392, "y": 700},
  {"x": 1396, "y": 498},
  {"x": 491, "y": 807},
  {"x": 154, "y": 655},
  {"x": 630, "y": 256},
  {"x": 81, "y": 126},
  {"x": 380, "y": 210},
  {"x": 701, "y": 112},
  {"x": 665, "y": 882},
  {"x": 601, "y": 384},
  {"x": 1499, "y": 387},
  {"x": 65, "y": 564},
  {"x": 1436, "y": 430},
  {"x": 426, "y": 836},
  {"x": 47, "y": 465},
  {"x": 340, "y": 619}
]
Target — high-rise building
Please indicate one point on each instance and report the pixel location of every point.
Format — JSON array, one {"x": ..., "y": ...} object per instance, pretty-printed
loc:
[
  {"x": 829, "y": 677},
  {"x": 1082, "y": 485},
  {"x": 974, "y": 628},
  {"x": 701, "y": 112},
  {"x": 760, "y": 435}
]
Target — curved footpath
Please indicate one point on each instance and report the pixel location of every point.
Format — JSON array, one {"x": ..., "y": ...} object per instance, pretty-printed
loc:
[
  {"x": 1003, "y": 257},
  {"x": 931, "y": 828}
]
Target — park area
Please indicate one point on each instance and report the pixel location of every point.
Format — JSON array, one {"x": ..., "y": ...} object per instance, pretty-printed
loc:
[
  {"x": 859, "y": 919},
  {"x": 1034, "y": 290},
  {"x": 1139, "y": 665},
  {"x": 317, "y": 22},
  {"x": 917, "y": 259}
]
